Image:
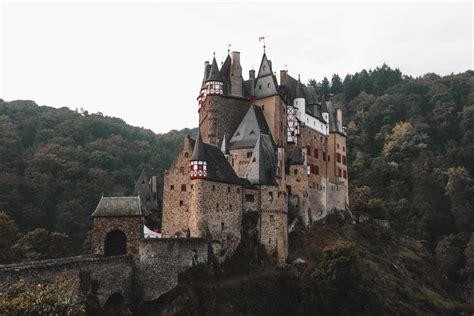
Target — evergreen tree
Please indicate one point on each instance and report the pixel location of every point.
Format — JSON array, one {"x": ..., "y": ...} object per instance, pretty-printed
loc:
[
  {"x": 336, "y": 84},
  {"x": 325, "y": 89}
]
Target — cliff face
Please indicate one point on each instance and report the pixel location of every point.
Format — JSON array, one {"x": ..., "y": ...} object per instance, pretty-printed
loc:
[{"x": 337, "y": 269}]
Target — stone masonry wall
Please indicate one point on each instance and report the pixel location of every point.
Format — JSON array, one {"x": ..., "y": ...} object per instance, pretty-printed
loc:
[
  {"x": 131, "y": 226},
  {"x": 239, "y": 160},
  {"x": 177, "y": 194},
  {"x": 98, "y": 276},
  {"x": 274, "y": 219},
  {"x": 217, "y": 210},
  {"x": 221, "y": 115},
  {"x": 297, "y": 179},
  {"x": 161, "y": 261},
  {"x": 274, "y": 110}
]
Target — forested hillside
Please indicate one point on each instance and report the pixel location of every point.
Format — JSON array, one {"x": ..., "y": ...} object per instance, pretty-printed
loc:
[
  {"x": 56, "y": 163},
  {"x": 411, "y": 159}
]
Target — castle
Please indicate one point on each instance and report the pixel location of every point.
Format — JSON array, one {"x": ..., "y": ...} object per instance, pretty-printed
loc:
[
  {"x": 267, "y": 148},
  {"x": 270, "y": 148}
]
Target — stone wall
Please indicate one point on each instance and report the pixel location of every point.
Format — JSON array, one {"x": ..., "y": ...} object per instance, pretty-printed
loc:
[
  {"x": 274, "y": 219},
  {"x": 337, "y": 146},
  {"x": 274, "y": 110},
  {"x": 161, "y": 261},
  {"x": 219, "y": 116},
  {"x": 336, "y": 196},
  {"x": 217, "y": 211},
  {"x": 177, "y": 194},
  {"x": 99, "y": 276},
  {"x": 131, "y": 226},
  {"x": 239, "y": 160},
  {"x": 297, "y": 180}
]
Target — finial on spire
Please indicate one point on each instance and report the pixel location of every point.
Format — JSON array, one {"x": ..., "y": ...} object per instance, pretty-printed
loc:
[
  {"x": 228, "y": 48},
  {"x": 214, "y": 53},
  {"x": 298, "y": 77},
  {"x": 264, "y": 46}
]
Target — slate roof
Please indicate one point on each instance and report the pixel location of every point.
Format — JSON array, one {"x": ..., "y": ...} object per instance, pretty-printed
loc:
[
  {"x": 214, "y": 74},
  {"x": 261, "y": 168},
  {"x": 252, "y": 125},
  {"x": 198, "y": 151},
  {"x": 118, "y": 206},
  {"x": 218, "y": 168},
  {"x": 297, "y": 157},
  {"x": 299, "y": 90},
  {"x": 333, "y": 126}
]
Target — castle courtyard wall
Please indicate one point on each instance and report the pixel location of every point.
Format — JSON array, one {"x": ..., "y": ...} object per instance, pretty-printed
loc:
[{"x": 132, "y": 227}]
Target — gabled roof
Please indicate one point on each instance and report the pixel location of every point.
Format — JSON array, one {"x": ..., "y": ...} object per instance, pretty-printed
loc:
[
  {"x": 266, "y": 83},
  {"x": 118, "y": 206},
  {"x": 214, "y": 74},
  {"x": 297, "y": 157},
  {"x": 252, "y": 125},
  {"x": 218, "y": 168},
  {"x": 198, "y": 151},
  {"x": 261, "y": 168},
  {"x": 141, "y": 184}
]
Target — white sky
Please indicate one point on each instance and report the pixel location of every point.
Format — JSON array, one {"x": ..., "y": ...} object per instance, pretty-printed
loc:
[{"x": 143, "y": 62}]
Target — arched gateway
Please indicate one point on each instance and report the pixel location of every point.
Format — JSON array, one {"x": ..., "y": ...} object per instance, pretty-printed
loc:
[{"x": 115, "y": 243}]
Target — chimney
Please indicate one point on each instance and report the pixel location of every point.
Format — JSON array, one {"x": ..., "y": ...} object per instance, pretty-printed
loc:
[
  {"x": 252, "y": 74},
  {"x": 339, "y": 119},
  {"x": 236, "y": 80},
  {"x": 283, "y": 78}
]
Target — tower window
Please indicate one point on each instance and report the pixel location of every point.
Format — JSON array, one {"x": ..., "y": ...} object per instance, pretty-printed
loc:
[
  {"x": 217, "y": 206},
  {"x": 296, "y": 171},
  {"x": 268, "y": 85},
  {"x": 343, "y": 149},
  {"x": 324, "y": 156},
  {"x": 344, "y": 160},
  {"x": 338, "y": 157},
  {"x": 222, "y": 226},
  {"x": 270, "y": 196},
  {"x": 213, "y": 187},
  {"x": 186, "y": 155},
  {"x": 344, "y": 173},
  {"x": 171, "y": 187},
  {"x": 259, "y": 87},
  {"x": 337, "y": 146},
  {"x": 228, "y": 189},
  {"x": 230, "y": 207},
  {"x": 316, "y": 154},
  {"x": 249, "y": 154},
  {"x": 181, "y": 203},
  {"x": 183, "y": 188}
]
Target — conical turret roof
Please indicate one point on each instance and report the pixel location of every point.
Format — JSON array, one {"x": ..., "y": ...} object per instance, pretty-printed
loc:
[
  {"x": 299, "y": 89},
  {"x": 214, "y": 74},
  {"x": 198, "y": 152}
]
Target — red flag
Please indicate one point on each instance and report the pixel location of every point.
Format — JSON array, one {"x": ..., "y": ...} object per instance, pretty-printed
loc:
[{"x": 261, "y": 38}]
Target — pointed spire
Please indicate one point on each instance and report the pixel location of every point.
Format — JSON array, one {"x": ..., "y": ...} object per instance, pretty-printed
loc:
[
  {"x": 214, "y": 74},
  {"x": 225, "y": 146},
  {"x": 299, "y": 89},
  {"x": 198, "y": 152}
]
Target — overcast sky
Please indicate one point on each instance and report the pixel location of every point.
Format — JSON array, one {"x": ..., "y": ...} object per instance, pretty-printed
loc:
[{"x": 143, "y": 62}]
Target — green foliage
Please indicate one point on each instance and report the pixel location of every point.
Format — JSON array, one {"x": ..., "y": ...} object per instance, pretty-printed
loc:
[
  {"x": 55, "y": 163},
  {"x": 8, "y": 237},
  {"x": 41, "y": 244},
  {"x": 57, "y": 297}
]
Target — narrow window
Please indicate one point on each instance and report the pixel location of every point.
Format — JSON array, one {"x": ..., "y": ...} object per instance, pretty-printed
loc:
[
  {"x": 316, "y": 154},
  {"x": 345, "y": 174},
  {"x": 230, "y": 207},
  {"x": 344, "y": 160},
  {"x": 171, "y": 187},
  {"x": 296, "y": 171},
  {"x": 183, "y": 188},
  {"x": 270, "y": 196},
  {"x": 222, "y": 225},
  {"x": 217, "y": 206},
  {"x": 238, "y": 190},
  {"x": 324, "y": 156},
  {"x": 337, "y": 146},
  {"x": 338, "y": 157},
  {"x": 249, "y": 197},
  {"x": 213, "y": 187},
  {"x": 181, "y": 203},
  {"x": 186, "y": 155},
  {"x": 249, "y": 154},
  {"x": 343, "y": 149},
  {"x": 192, "y": 186},
  {"x": 228, "y": 189},
  {"x": 316, "y": 169},
  {"x": 181, "y": 170}
]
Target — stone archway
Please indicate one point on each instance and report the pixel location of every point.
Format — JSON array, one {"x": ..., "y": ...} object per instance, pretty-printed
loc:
[{"x": 115, "y": 243}]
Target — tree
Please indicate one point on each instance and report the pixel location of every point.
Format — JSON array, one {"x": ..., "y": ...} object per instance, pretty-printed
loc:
[
  {"x": 41, "y": 244},
  {"x": 8, "y": 237},
  {"x": 325, "y": 88},
  {"x": 336, "y": 84}
]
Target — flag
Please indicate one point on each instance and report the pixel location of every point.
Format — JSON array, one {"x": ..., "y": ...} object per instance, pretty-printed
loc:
[{"x": 261, "y": 39}]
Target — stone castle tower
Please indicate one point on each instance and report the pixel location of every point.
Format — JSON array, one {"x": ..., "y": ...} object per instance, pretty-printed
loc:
[{"x": 263, "y": 147}]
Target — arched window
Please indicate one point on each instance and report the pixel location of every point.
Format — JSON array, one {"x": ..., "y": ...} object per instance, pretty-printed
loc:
[{"x": 115, "y": 243}]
